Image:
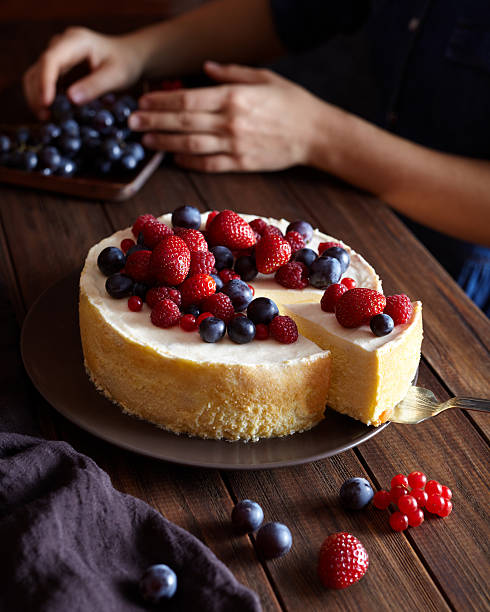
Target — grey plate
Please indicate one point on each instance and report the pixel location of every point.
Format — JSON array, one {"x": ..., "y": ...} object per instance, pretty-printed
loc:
[{"x": 52, "y": 355}]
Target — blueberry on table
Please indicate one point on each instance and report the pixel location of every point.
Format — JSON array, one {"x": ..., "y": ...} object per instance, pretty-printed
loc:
[
  {"x": 247, "y": 516},
  {"x": 158, "y": 583},
  {"x": 262, "y": 310},
  {"x": 241, "y": 330},
  {"x": 239, "y": 293},
  {"x": 121, "y": 111},
  {"x": 50, "y": 158},
  {"x": 28, "y": 160},
  {"x": 70, "y": 127},
  {"x": 103, "y": 121},
  {"x": 274, "y": 540},
  {"x": 119, "y": 286},
  {"x": 340, "y": 254},
  {"x": 136, "y": 150},
  {"x": 22, "y": 135},
  {"x": 306, "y": 256},
  {"x": 70, "y": 145},
  {"x": 245, "y": 266},
  {"x": 61, "y": 108},
  {"x": 223, "y": 257},
  {"x": 5, "y": 143},
  {"x": 212, "y": 329},
  {"x": 111, "y": 260},
  {"x": 112, "y": 149},
  {"x": 49, "y": 132},
  {"x": 381, "y": 324},
  {"x": 325, "y": 271},
  {"x": 186, "y": 216},
  {"x": 68, "y": 167},
  {"x": 102, "y": 166},
  {"x": 128, "y": 162},
  {"x": 356, "y": 493},
  {"x": 303, "y": 227}
]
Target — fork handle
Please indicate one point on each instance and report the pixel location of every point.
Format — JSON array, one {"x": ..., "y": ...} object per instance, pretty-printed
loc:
[{"x": 470, "y": 403}]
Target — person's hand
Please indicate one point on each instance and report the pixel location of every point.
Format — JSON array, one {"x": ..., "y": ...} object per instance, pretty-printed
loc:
[
  {"x": 256, "y": 121},
  {"x": 112, "y": 60}
]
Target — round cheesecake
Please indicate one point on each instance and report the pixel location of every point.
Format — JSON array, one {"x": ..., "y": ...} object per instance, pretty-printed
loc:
[{"x": 223, "y": 390}]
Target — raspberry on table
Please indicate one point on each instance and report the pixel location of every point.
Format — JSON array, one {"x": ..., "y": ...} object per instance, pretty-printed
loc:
[
  {"x": 196, "y": 288},
  {"x": 220, "y": 306},
  {"x": 165, "y": 314},
  {"x": 202, "y": 262},
  {"x": 399, "y": 307},
  {"x": 293, "y": 275},
  {"x": 296, "y": 241},
  {"x": 342, "y": 561},
  {"x": 283, "y": 329},
  {"x": 140, "y": 222},
  {"x": 331, "y": 296},
  {"x": 153, "y": 232},
  {"x": 157, "y": 294},
  {"x": 138, "y": 266}
]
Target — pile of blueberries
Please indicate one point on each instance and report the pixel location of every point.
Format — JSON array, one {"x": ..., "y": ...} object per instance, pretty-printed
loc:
[{"x": 89, "y": 139}]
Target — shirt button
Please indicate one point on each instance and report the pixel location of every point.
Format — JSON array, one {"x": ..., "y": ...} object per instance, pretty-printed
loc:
[{"x": 413, "y": 24}]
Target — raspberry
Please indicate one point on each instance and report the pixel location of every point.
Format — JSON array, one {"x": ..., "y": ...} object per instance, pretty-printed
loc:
[
  {"x": 170, "y": 261},
  {"x": 140, "y": 222},
  {"x": 407, "y": 504},
  {"x": 415, "y": 518},
  {"x": 399, "y": 479},
  {"x": 271, "y": 253},
  {"x": 382, "y": 499},
  {"x": 446, "y": 492},
  {"x": 135, "y": 303},
  {"x": 296, "y": 241},
  {"x": 293, "y": 275},
  {"x": 211, "y": 216},
  {"x": 350, "y": 283},
  {"x": 138, "y": 266},
  {"x": 227, "y": 274},
  {"x": 165, "y": 314},
  {"x": 193, "y": 238},
  {"x": 230, "y": 230},
  {"x": 202, "y": 262},
  {"x": 396, "y": 492},
  {"x": 343, "y": 560},
  {"x": 356, "y": 306},
  {"x": 398, "y": 521},
  {"x": 435, "y": 503},
  {"x": 331, "y": 296},
  {"x": 272, "y": 230},
  {"x": 420, "y": 495},
  {"x": 261, "y": 331},
  {"x": 126, "y": 244},
  {"x": 202, "y": 316},
  {"x": 417, "y": 480},
  {"x": 188, "y": 323},
  {"x": 283, "y": 329},
  {"x": 433, "y": 488},
  {"x": 153, "y": 232},
  {"x": 399, "y": 307},
  {"x": 448, "y": 508},
  {"x": 220, "y": 306},
  {"x": 157, "y": 294},
  {"x": 196, "y": 288},
  {"x": 323, "y": 246},
  {"x": 258, "y": 225}
]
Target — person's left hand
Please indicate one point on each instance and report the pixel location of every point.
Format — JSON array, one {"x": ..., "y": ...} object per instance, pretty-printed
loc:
[{"x": 256, "y": 121}]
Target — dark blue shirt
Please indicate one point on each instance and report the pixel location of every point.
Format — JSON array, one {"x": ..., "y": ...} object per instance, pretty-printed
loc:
[{"x": 431, "y": 60}]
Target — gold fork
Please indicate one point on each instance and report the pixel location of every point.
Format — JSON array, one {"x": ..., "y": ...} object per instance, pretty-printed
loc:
[{"x": 421, "y": 404}]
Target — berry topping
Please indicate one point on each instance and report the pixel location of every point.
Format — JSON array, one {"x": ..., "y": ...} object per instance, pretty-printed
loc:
[
  {"x": 157, "y": 294},
  {"x": 415, "y": 518},
  {"x": 119, "y": 286},
  {"x": 303, "y": 228},
  {"x": 399, "y": 307},
  {"x": 126, "y": 244},
  {"x": 446, "y": 492},
  {"x": 407, "y": 504},
  {"x": 223, "y": 257},
  {"x": 165, "y": 314},
  {"x": 227, "y": 274},
  {"x": 323, "y": 246},
  {"x": 398, "y": 521},
  {"x": 140, "y": 222},
  {"x": 219, "y": 283},
  {"x": 170, "y": 261},
  {"x": 293, "y": 275},
  {"x": 230, "y": 230},
  {"x": 247, "y": 516},
  {"x": 196, "y": 288},
  {"x": 356, "y": 493},
  {"x": 324, "y": 271},
  {"x": 186, "y": 216},
  {"x": 296, "y": 241},
  {"x": 331, "y": 296},
  {"x": 433, "y": 488},
  {"x": 343, "y": 560},
  {"x": 193, "y": 238},
  {"x": 382, "y": 499},
  {"x": 111, "y": 260},
  {"x": 397, "y": 492},
  {"x": 262, "y": 310},
  {"x": 435, "y": 503},
  {"x": 192, "y": 309},
  {"x": 246, "y": 268},
  {"x": 158, "y": 583},
  {"x": 350, "y": 283},
  {"x": 241, "y": 330},
  {"x": 154, "y": 231},
  {"x": 220, "y": 306},
  {"x": 261, "y": 331},
  {"x": 273, "y": 540},
  {"x": 381, "y": 324},
  {"x": 271, "y": 253},
  {"x": 140, "y": 289},
  {"x": 202, "y": 262},
  {"x": 211, "y": 216},
  {"x": 340, "y": 254},
  {"x": 306, "y": 256},
  {"x": 188, "y": 323},
  {"x": 417, "y": 480},
  {"x": 212, "y": 329},
  {"x": 135, "y": 303},
  {"x": 358, "y": 305},
  {"x": 202, "y": 316},
  {"x": 239, "y": 293},
  {"x": 258, "y": 225},
  {"x": 138, "y": 266},
  {"x": 283, "y": 329},
  {"x": 420, "y": 495}
]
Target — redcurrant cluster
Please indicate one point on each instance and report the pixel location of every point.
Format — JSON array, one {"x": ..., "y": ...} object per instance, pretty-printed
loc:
[{"x": 410, "y": 494}]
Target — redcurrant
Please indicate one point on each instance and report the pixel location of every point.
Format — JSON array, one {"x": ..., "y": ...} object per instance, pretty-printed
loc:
[
  {"x": 382, "y": 499},
  {"x": 433, "y": 488},
  {"x": 446, "y": 492},
  {"x": 399, "y": 480},
  {"x": 398, "y": 521},
  {"x": 135, "y": 303},
  {"x": 188, "y": 323},
  {"x": 421, "y": 497},
  {"x": 407, "y": 504},
  {"x": 417, "y": 480},
  {"x": 126, "y": 244},
  {"x": 416, "y": 518},
  {"x": 435, "y": 503},
  {"x": 350, "y": 283},
  {"x": 202, "y": 316},
  {"x": 397, "y": 492},
  {"x": 446, "y": 511}
]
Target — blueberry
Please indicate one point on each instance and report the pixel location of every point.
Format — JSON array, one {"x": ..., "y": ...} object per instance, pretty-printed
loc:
[
  {"x": 70, "y": 145},
  {"x": 103, "y": 121},
  {"x": 158, "y": 583},
  {"x": 119, "y": 133},
  {"x": 121, "y": 111},
  {"x": 140, "y": 289},
  {"x": 218, "y": 281},
  {"x": 61, "y": 108},
  {"x": 212, "y": 329},
  {"x": 67, "y": 167},
  {"x": 111, "y": 149},
  {"x": 306, "y": 256},
  {"x": 108, "y": 99},
  {"x": 119, "y": 286},
  {"x": 303, "y": 227},
  {"x": 340, "y": 254},
  {"x": 381, "y": 325},
  {"x": 50, "y": 157},
  {"x": 136, "y": 150},
  {"x": 140, "y": 239},
  {"x": 262, "y": 310},
  {"x": 274, "y": 540},
  {"x": 245, "y": 266},
  {"x": 86, "y": 113},
  {"x": 102, "y": 165},
  {"x": 192, "y": 309},
  {"x": 128, "y": 162},
  {"x": 5, "y": 143},
  {"x": 324, "y": 271},
  {"x": 186, "y": 216},
  {"x": 239, "y": 293},
  {"x": 223, "y": 257},
  {"x": 70, "y": 127},
  {"x": 241, "y": 330},
  {"x": 49, "y": 132},
  {"x": 130, "y": 101},
  {"x": 28, "y": 160},
  {"x": 22, "y": 135},
  {"x": 356, "y": 493},
  {"x": 247, "y": 516},
  {"x": 111, "y": 260}
]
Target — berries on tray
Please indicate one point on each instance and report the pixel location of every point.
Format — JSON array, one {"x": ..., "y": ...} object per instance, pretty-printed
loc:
[
  {"x": 350, "y": 283},
  {"x": 140, "y": 222},
  {"x": 247, "y": 516},
  {"x": 342, "y": 561},
  {"x": 274, "y": 540},
  {"x": 186, "y": 216},
  {"x": 135, "y": 303},
  {"x": 230, "y": 230},
  {"x": 159, "y": 293},
  {"x": 138, "y": 266},
  {"x": 356, "y": 493},
  {"x": 153, "y": 232},
  {"x": 158, "y": 583}
]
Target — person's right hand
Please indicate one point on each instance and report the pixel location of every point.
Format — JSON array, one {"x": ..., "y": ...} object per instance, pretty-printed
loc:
[{"x": 113, "y": 62}]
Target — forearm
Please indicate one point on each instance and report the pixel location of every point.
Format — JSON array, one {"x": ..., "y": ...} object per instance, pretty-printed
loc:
[
  {"x": 239, "y": 31},
  {"x": 446, "y": 192}
]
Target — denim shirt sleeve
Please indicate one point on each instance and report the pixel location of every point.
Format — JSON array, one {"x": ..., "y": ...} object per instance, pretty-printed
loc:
[{"x": 303, "y": 24}]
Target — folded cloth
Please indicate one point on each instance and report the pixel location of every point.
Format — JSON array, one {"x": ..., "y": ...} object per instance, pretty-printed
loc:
[{"x": 71, "y": 542}]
